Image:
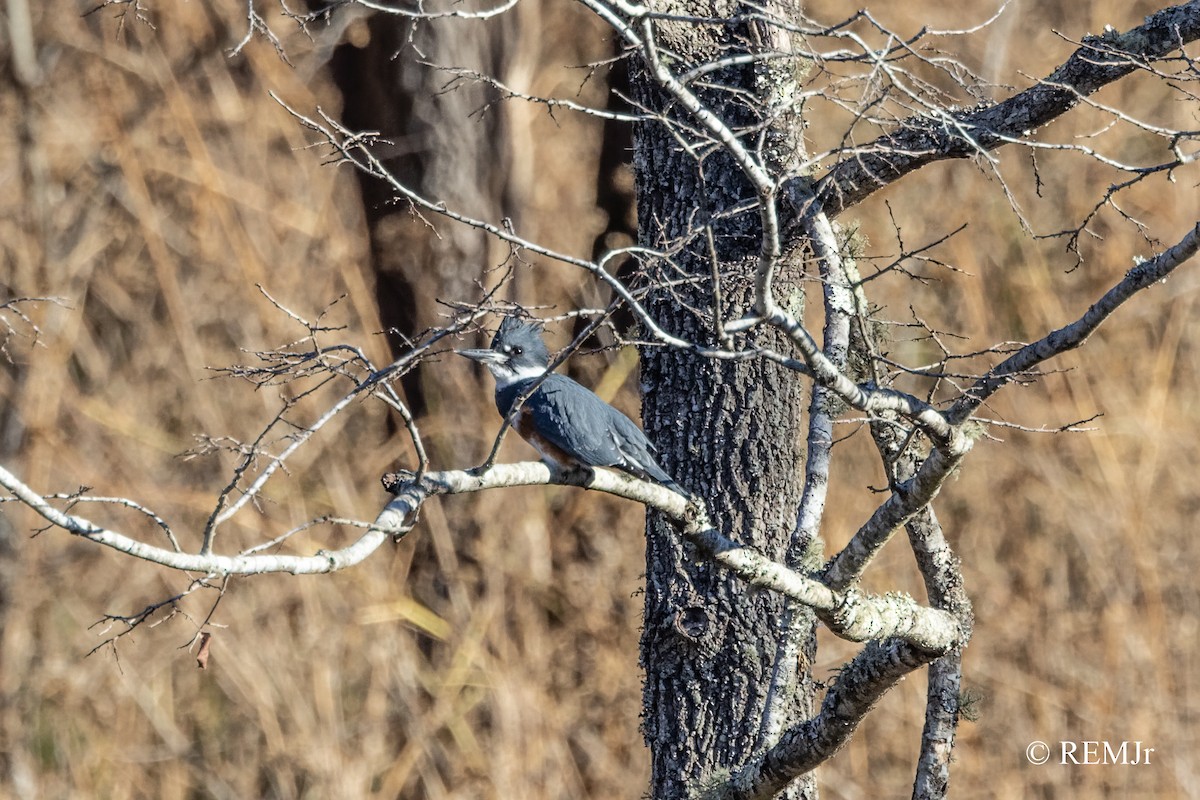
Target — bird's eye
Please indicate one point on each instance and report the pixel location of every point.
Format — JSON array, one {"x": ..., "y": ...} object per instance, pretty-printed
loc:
[{"x": 516, "y": 351}]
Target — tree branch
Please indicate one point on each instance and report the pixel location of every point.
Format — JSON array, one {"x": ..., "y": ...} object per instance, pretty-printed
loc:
[
  {"x": 906, "y": 500},
  {"x": 1143, "y": 275},
  {"x": 389, "y": 522},
  {"x": 851, "y": 615},
  {"x": 860, "y": 684},
  {"x": 923, "y": 140},
  {"x": 942, "y": 573},
  {"x": 824, "y": 407}
]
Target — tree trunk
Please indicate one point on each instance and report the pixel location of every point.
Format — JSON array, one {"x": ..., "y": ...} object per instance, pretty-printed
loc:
[
  {"x": 731, "y": 432},
  {"x": 433, "y": 144}
]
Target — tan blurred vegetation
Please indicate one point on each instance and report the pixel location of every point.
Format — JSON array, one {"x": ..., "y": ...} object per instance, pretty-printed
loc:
[{"x": 151, "y": 183}]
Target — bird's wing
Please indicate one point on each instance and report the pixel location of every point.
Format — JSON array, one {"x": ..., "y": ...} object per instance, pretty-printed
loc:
[{"x": 573, "y": 418}]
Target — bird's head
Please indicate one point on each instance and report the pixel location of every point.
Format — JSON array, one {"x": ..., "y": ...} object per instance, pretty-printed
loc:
[{"x": 517, "y": 352}]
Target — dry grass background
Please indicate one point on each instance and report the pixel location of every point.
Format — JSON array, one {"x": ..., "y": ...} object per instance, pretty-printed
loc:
[{"x": 151, "y": 183}]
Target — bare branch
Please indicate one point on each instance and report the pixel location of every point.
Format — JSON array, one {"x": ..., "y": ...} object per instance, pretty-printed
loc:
[
  {"x": 1143, "y": 275},
  {"x": 859, "y": 685},
  {"x": 124, "y": 7},
  {"x": 906, "y": 500},
  {"x": 551, "y": 103},
  {"x": 850, "y": 614},
  {"x": 941, "y": 571},
  {"x": 255, "y": 24},
  {"x": 132, "y": 622},
  {"x": 824, "y": 407},
  {"x": 922, "y": 140},
  {"x": 390, "y": 521},
  {"x": 421, "y": 12},
  {"x": 14, "y": 322}
]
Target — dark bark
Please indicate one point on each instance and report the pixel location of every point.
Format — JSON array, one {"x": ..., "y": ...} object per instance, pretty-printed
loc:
[{"x": 729, "y": 431}]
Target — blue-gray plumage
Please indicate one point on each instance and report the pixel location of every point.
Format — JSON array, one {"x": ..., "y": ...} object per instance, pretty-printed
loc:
[{"x": 566, "y": 422}]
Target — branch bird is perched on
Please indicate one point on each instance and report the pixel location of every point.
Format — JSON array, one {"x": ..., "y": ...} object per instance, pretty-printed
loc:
[{"x": 567, "y": 423}]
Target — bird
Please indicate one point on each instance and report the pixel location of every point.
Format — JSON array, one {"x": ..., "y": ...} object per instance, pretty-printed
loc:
[{"x": 566, "y": 422}]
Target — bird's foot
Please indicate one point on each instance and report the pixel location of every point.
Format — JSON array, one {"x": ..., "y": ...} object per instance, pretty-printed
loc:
[{"x": 572, "y": 475}]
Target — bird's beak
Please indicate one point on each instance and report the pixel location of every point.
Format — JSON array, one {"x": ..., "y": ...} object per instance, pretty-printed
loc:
[{"x": 482, "y": 356}]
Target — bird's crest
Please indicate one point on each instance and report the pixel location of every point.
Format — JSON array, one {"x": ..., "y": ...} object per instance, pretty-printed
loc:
[{"x": 515, "y": 326}]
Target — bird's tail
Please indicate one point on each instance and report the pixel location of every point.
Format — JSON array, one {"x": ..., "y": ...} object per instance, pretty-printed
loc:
[{"x": 657, "y": 474}]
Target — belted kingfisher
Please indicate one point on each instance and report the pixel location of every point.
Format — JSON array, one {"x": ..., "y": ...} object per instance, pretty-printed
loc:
[{"x": 564, "y": 421}]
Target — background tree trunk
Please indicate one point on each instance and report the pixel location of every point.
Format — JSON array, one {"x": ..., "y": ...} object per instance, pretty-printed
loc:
[{"x": 434, "y": 144}]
